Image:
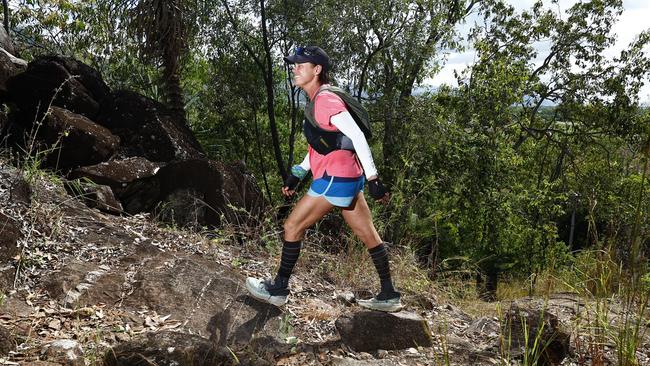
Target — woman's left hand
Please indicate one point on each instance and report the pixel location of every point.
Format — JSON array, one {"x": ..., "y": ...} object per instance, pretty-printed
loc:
[{"x": 378, "y": 191}]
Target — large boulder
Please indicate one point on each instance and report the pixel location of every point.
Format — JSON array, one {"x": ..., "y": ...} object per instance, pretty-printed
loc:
[
  {"x": 195, "y": 192},
  {"x": 6, "y": 42},
  {"x": 8, "y": 69},
  {"x": 368, "y": 331},
  {"x": 168, "y": 349},
  {"x": 148, "y": 129},
  {"x": 57, "y": 81},
  {"x": 537, "y": 332},
  {"x": 64, "y": 352},
  {"x": 117, "y": 174},
  {"x": 94, "y": 195},
  {"x": 90, "y": 78},
  {"x": 240, "y": 189},
  {"x": 75, "y": 140},
  {"x": 9, "y": 236}
]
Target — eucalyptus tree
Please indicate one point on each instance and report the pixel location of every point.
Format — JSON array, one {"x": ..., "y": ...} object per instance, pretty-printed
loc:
[{"x": 504, "y": 92}]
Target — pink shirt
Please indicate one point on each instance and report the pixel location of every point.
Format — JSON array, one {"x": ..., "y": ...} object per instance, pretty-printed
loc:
[{"x": 338, "y": 163}]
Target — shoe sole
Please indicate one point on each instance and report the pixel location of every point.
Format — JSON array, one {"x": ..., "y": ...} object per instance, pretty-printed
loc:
[
  {"x": 393, "y": 308},
  {"x": 273, "y": 300}
]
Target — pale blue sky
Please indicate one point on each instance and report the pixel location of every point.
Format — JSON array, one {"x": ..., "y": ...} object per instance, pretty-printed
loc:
[{"x": 634, "y": 19}]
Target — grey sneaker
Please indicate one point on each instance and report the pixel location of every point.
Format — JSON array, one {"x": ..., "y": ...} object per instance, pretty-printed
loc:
[
  {"x": 389, "y": 305},
  {"x": 264, "y": 291}
]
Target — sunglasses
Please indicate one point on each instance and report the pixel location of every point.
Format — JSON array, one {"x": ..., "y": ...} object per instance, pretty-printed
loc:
[{"x": 303, "y": 51}]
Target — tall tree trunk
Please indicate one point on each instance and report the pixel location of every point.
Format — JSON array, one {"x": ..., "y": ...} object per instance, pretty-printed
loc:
[
  {"x": 260, "y": 155},
  {"x": 175, "y": 96},
  {"x": 270, "y": 94},
  {"x": 293, "y": 99},
  {"x": 6, "y": 14}
]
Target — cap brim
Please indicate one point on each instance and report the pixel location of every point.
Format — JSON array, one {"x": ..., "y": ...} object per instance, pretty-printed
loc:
[{"x": 296, "y": 59}]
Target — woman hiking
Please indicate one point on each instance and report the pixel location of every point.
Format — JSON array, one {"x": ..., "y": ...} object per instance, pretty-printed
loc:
[{"x": 338, "y": 179}]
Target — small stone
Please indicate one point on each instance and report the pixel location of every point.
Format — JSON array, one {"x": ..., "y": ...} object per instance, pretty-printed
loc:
[
  {"x": 346, "y": 297},
  {"x": 54, "y": 324},
  {"x": 382, "y": 353},
  {"x": 122, "y": 337},
  {"x": 65, "y": 351},
  {"x": 412, "y": 351},
  {"x": 365, "y": 356}
]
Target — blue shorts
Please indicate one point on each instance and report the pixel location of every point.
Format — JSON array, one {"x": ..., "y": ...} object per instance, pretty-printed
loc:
[{"x": 336, "y": 190}]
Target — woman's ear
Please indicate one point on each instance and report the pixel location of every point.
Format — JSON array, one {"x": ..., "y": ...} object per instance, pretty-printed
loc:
[{"x": 318, "y": 69}]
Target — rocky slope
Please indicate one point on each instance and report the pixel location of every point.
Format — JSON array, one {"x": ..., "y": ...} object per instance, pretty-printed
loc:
[{"x": 85, "y": 287}]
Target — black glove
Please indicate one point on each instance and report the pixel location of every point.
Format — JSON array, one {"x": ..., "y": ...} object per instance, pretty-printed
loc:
[
  {"x": 376, "y": 189},
  {"x": 291, "y": 182}
]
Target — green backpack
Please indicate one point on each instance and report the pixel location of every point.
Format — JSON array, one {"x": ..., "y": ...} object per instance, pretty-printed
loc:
[{"x": 323, "y": 141}]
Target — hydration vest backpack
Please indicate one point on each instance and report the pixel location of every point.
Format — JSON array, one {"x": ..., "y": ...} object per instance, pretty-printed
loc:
[{"x": 323, "y": 141}]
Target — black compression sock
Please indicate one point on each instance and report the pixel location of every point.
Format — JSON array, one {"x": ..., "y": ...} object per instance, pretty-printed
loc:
[
  {"x": 290, "y": 254},
  {"x": 379, "y": 257}
]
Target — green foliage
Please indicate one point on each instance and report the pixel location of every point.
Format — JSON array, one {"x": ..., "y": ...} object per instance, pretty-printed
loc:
[{"x": 522, "y": 169}]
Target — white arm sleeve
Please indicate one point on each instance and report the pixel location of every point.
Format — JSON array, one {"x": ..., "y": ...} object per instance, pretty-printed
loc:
[
  {"x": 305, "y": 163},
  {"x": 346, "y": 124}
]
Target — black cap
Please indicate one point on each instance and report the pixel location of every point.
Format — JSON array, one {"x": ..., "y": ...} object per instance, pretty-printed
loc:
[{"x": 312, "y": 54}]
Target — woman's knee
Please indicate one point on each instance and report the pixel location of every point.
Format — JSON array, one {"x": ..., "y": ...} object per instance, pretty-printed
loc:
[{"x": 292, "y": 228}]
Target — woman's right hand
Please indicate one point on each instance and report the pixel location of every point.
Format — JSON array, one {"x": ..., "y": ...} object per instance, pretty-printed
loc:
[{"x": 290, "y": 185}]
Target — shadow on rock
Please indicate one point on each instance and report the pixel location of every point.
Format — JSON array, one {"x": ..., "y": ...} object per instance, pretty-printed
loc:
[{"x": 245, "y": 332}]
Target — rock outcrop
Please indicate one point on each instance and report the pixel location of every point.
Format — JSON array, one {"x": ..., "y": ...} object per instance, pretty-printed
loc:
[
  {"x": 152, "y": 162},
  {"x": 148, "y": 129},
  {"x": 56, "y": 81},
  {"x": 75, "y": 140}
]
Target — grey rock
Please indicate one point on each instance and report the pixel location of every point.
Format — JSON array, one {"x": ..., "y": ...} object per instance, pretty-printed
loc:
[
  {"x": 65, "y": 351},
  {"x": 79, "y": 141},
  {"x": 369, "y": 331},
  {"x": 346, "y": 297},
  {"x": 95, "y": 196},
  {"x": 168, "y": 349},
  {"x": 148, "y": 129},
  {"x": 484, "y": 326},
  {"x": 117, "y": 174},
  {"x": 5, "y": 41},
  {"x": 536, "y": 326},
  {"x": 57, "y": 81}
]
